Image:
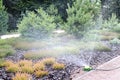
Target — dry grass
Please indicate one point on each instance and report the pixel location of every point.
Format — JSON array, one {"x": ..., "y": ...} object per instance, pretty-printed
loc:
[
  {"x": 21, "y": 76},
  {"x": 8, "y": 63},
  {"x": 48, "y": 61},
  {"x": 41, "y": 73},
  {"x": 13, "y": 68},
  {"x": 38, "y": 66},
  {"x": 25, "y": 63},
  {"x": 27, "y": 69},
  {"x": 58, "y": 66}
]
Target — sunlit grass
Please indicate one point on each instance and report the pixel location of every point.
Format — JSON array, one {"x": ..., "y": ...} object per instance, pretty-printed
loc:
[
  {"x": 48, "y": 61},
  {"x": 21, "y": 76},
  {"x": 38, "y": 66},
  {"x": 8, "y": 63},
  {"x": 13, "y": 68},
  {"x": 25, "y": 63},
  {"x": 41, "y": 73},
  {"x": 58, "y": 66},
  {"x": 27, "y": 69}
]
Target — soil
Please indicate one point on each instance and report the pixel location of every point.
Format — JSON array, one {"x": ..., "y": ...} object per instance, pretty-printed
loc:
[{"x": 74, "y": 63}]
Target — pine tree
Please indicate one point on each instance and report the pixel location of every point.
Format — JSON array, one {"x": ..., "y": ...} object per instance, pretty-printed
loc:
[
  {"x": 80, "y": 16},
  {"x": 36, "y": 25},
  {"x": 3, "y": 19}
]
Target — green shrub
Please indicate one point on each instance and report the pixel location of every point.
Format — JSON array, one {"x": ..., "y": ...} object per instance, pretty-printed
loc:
[
  {"x": 112, "y": 24},
  {"x": 6, "y": 50},
  {"x": 115, "y": 41},
  {"x": 80, "y": 17},
  {"x": 36, "y": 25},
  {"x": 53, "y": 11},
  {"x": 3, "y": 19}
]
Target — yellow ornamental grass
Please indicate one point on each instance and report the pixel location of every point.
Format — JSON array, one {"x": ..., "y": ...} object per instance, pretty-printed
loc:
[
  {"x": 38, "y": 66},
  {"x": 41, "y": 73},
  {"x": 48, "y": 61},
  {"x": 25, "y": 62},
  {"x": 58, "y": 66},
  {"x": 13, "y": 68},
  {"x": 8, "y": 63},
  {"x": 21, "y": 76},
  {"x": 27, "y": 69}
]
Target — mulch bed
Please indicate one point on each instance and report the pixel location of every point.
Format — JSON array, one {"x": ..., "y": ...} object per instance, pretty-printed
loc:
[{"x": 72, "y": 62}]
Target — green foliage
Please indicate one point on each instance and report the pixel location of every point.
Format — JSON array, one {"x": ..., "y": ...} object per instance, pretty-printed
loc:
[
  {"x": 115, "y": 41},
  {"x": 51, "y": 52},
  {"x": 91, "y": 36},
  {"x": 96, "y": 46},
  {"x": 21, "y": 5},
  {"x": 3, "y": 19},
  {"x": 112, "y": 24},
  {"x": 53, "y": 11},
  {"x": 10, "y": 41},
  {"x": 80, "y": 16},
  {"x": 102, "y": 48},
  {"x": 6, "y": 50},
  {"x": 2, "y": 62},
  {"x": 36, "y": 25}
]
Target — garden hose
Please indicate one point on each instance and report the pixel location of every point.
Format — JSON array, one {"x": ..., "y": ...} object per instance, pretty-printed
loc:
[{"x": 88, "y": 68}]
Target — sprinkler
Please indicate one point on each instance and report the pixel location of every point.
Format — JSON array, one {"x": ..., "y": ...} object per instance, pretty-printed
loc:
[{"x": 87, "y": 68}]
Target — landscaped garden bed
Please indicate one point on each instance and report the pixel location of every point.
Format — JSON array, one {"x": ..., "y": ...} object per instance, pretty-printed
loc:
[{"x": 53, "y": 59}]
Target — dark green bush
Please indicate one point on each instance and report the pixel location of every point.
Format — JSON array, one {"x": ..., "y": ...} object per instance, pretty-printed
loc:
[
  {"x": 36, "y": 25},
  {"x": 80, "y": 16},
  {"x": 3, "y": 19}
]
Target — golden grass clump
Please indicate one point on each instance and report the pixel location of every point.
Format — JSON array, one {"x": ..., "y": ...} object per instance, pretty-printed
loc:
[
  {"x": 21, "y": 76},
  {"x": 8, "y": 63},
  {"x": 48, "y": 61},
  {"x": 13, "y": 68},
  {"x": 27, "y": 69},
  {"x": 58, "y": 66},
  {"x": 25, "y": 62},
  {"x": 41, "y": 73},
  {"x": 38, "y": 66}
]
